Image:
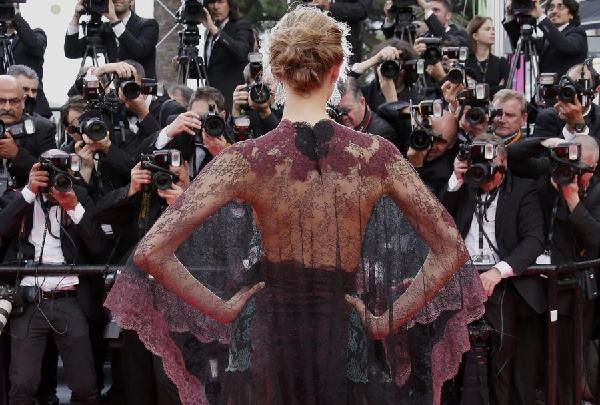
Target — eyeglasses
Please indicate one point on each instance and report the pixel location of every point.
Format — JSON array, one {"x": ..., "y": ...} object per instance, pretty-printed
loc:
[
  {"x": 559, "y": 7},
  {"x": 12, "y": 101}
]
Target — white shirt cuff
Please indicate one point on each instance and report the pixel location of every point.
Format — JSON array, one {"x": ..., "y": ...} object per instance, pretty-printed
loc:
[
  {"x": 505, "y": 269},
  {"x": 541, "y": 18},
  {"x": 28, "y": 195},
  {"x": 568, "y": 135},
  {"x": 428, "y": 13},
  {"x": 72, "y": 29},
  {"x": 162, "y": 140},
  {"x": 119, "y": 29},
  {"x": 77, "y": 213},
  {"x": 454, "y": 183}
]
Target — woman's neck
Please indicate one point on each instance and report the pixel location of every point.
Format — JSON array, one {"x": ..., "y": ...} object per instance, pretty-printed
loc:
[
  {"x": 482, "y": 52},
  {"x": 309, "y": 108}
]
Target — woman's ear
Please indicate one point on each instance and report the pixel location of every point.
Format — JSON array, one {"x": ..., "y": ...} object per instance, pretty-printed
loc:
[{"x": 334, "y": 72}]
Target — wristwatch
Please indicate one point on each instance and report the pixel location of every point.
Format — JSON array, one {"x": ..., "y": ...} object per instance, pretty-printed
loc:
[{"x": 580, "y": 127}]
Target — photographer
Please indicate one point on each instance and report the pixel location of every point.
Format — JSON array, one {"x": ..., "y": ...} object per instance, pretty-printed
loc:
[
  {"x": 353, "y": 13},
  {"x": 29, "y": 82},
  {"x": 564, "y": 43},
  {"x": 126, "y": 36},
  {"x": 28, "y": 48},
  {"x": 228, "y": 41},
  {"x": 510, "y": 123},
  {"x": 435, "y": 163},
  {"x": 22, "y": 151},
  {"x": 49, "y": 223},
  {"x": 575, "y": 113},
  {"x": 500, "y": 217},
  {"x": 438, "y": 14},
  {"x": 487, "y": 67},
  {"x": 472, "y": 111},
  {"x": 180, "y": 93},
  {"x": 383, "y": 89}
]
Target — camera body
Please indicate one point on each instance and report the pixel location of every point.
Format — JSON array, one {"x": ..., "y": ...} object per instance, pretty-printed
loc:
[
  {"x": 132, "y": 90},
  {"x": 478, "y": 99},
  {"x": 522, "y": 6},
  {"x": 212, "y": 122},
  {"x": 18, "y": 130},
  {"x": 259, "y": 91},
  {"x": 479, "y": 156},
  {"x": 159, "y": 164},
  {"x": 391, "y": 69},
  {"x": 95, "y": 6},
  {"x": 422, "y": 137},
  {"x": 433, "y": 52},
  {"x": 58, "y": 167},
  {"x": 191, "y": 12},
  {"x": 8, "y": 12},
  {"x": 96, "y": 120},
  {"x": 566, "y": 163},
  {"x": 401, "y": 5}
]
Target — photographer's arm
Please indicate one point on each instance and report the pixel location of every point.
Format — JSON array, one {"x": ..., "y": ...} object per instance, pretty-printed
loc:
[
  {"x": 35, "y": 40},
  {"x": 350, "y": 12},
  {"x": 239, "y": 43},
  {"x": 586, "y": 219},
  {"x": 14, "y": 207},
  {"x": 572, "y": 43},
  {"x": 143, "y": 45}
]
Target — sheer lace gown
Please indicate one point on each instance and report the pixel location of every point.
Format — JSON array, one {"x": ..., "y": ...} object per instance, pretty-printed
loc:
[{"x": 338, "y": 212}]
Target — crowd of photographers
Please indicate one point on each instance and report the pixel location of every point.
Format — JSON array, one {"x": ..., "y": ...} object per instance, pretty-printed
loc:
[{"x": 519, "y": 176}]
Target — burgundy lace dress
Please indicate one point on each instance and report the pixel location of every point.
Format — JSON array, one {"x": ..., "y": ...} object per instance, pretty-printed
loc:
[{"x": 336, "y": 213}]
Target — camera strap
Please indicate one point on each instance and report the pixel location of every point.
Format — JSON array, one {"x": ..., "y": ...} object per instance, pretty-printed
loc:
[
  {"x": 144, "y": 213},
  {"x": 550, "y": 238},
  {"x": 481, "y": 215}
]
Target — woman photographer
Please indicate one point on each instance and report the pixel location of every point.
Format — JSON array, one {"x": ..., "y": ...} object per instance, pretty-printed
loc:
[{"x": 487, "y": 67}]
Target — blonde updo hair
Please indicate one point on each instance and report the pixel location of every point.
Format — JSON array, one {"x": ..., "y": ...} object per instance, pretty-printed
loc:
[{"x": 303, "y": 46}]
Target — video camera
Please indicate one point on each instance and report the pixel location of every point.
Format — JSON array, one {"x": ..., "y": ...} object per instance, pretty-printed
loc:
[
  {"x": 191, "y": 12},
  {"x": 8, "y": 12},
  {"x": 480, "y": 157},
  {"x": 95, "y": 6},
  {"x": 132, "y": 90},
  {"x": 58, "y": 167},
  {"x": 566, "y": 163},
  {"x": 159, "y": 164},
  {"x": 478, "y": 99},
  {"x": 259, "y": 91},
  {"x": 522, "y": 6},
  {"x": 422, "y": 137},
  {"x": 212, "y": 122}
]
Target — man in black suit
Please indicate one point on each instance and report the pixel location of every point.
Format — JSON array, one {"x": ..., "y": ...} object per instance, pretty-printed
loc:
[
  {"x": 564, "y": 43},
  {"x": 23, "y": 151},
  {"x": 227, "y": 44},
  {"x": 437, "y": 18},
  {"x": 568, "y": 119},
  {"x": 51, "y": 227},
  {"x": 128, "y": 36},
  {"x": 502, "y": 224},
  {"x": 353, "y": 13},
  {"x": 28, "y": 48}
]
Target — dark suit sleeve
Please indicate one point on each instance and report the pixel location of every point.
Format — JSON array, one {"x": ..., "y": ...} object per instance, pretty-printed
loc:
[
  {"x": 119, "y": 161},
  {"x": 351, "y": 11},
  {"x": 548, "y": 125},
  {"x": 388, "y": 32},
  {"x": 435, "y": 27},
  {"x": 528, "y": 158},
  {"x": 34, "y": 40},
  {"x": 531, "y": 233},
  {"x": 74, "y": 46},
  {"x": 138, "y": 48},
  {"x": 512, "y": 30},
  {"x": 88, "y": 229},
  {"x": 115, "y": 207},
  {"x": 11, "y": 215},
  {"x": 239, "y": 42},
  {"x": 450, "y": 199},
  {"x": 572, "y": 43},
  {"x": 587, "y": 224}
]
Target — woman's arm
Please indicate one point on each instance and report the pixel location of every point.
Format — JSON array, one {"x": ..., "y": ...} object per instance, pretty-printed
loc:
[{"x": 221, "y": 181}]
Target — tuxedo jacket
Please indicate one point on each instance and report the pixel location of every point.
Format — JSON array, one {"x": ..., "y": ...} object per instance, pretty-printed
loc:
[
  {"x": 138, "y": 42},
  {"x": 519, "y": 230},
  {"x": 82, "y": 243},
  {"x": 228, "y": 58},
  {"x": 549, "y": 125},
  {"x": 558, "y": 51},
  {"x": 353, "y": 13},
  {"x": 28, "y": 48}
]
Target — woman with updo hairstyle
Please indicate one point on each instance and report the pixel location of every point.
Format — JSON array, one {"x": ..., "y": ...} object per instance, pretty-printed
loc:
[
  {"x": 306, "y": 314},
  {"x": 486, "y": 67}
]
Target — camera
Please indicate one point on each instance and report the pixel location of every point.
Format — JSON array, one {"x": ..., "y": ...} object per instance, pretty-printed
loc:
[
  {"x": 97, "y": 117},
  {"x": 456, "y": 74},
  {"x": 18, "y": 130},
  {"x": 522, "y": 6},
  {"x": 8, "y": 12},
  {"x": 212, "y": 122},
  {"x": 58, "y": 167},
  {"x": 390, "y": 69},
  {"x": 191, "y": 12},
  {"x": 433, "y": 52},
  {"x": 566, "y": 163},
  {"x": 132, "y": 90},
  {"x": 459, "y": 53},
  {"x": 336, "y": 112},
  {"x": 8, "y": 296},
  {"x": 478, "y": 99},
  {"x": 480, "y": 157},
  {"x": 159, "y": 164},
  {"x": 95, "y": 6},
  {"x": 548, "y": 88},
  {"x": 422, "y": 138},
  {"x": 401, "y": 5},
  {"x": 259, "y": 91}
]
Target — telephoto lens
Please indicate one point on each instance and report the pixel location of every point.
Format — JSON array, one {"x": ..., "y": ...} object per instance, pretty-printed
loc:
[{"x": 390, "y": 69}]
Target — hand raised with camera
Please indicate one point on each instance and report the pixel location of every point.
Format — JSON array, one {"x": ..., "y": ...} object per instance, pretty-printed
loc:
[
  {"x": 111, "y": 14},
  {"x": 186, "y": 122},
  {"x": 170, "y": 195},
  {"x": 388, "y": 87},
  {"x": 436, "y": 71},
  {"x": 570, "y": 192},
  {"x": 241, "y": 99},
  {"x": 139, "y": 177},
  {"x": 460, "y": 167},
  {"x": 122, "y": 69},
  {"x": 103, "y": 145},
  {"x": 387, "y": 53},
  {"x": 208, "y": 22},
  {"x": 450, "y": 92},
  {"x": 572, "y": 113},
  {"x": 78, "y": 11},
  {"x": 416, "y": 157},
  {"x": 8, "y": 147},
  {"x": 537, "y": 11},
  {"x": 215, "y": 145},
  {"x": 38, "y": 178},
  {"x": 68, "y": 201},
  {"x": 86, "y": 155}
]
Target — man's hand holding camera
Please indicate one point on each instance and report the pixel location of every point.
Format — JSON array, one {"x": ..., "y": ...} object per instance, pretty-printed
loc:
[
  {"x": 241, "y": 98},
  {"x": 78, "y": 11},
  {"x": 460, "y": 168},
  {"x": 111, "y": 14},
  {"x": 171, "y": 194},
  {"x": 8, "y": 147},
  {"x": 208, "y": 22},
  {"x": 450, "y": 92},
  {"x": 121, "y": 69},
  {"x": 186, "y": 122},
  {"x": 39, "y": 180},
  {"x": 139, "y": 177},
  {"x": 570, "y": 192},
  {"x": 103, "y": 145},
  {"x": 572, "y": 113},
  {"x": 214, "y": 144}
]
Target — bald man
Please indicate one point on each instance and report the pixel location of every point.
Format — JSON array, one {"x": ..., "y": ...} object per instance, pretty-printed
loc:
[{"x": 18, "y": 150}]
